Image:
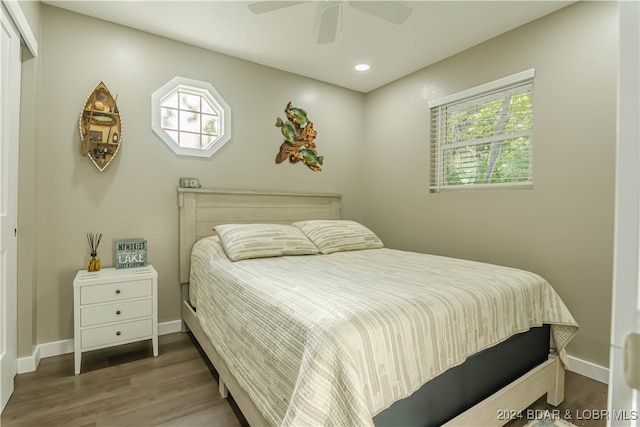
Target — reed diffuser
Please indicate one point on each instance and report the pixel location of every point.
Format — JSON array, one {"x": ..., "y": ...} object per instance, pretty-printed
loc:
[{"x": 94, "y": 262}]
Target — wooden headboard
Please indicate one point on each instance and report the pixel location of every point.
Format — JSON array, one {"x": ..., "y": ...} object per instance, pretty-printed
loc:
[{"x": 201, "y": 209}]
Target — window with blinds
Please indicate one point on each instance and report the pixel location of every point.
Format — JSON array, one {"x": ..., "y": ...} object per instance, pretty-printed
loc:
[{"x": 483, "y": 137}]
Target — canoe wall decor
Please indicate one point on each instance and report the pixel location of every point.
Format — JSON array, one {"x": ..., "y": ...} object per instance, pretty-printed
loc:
[
  {"x": 299, "y": 139},
  {"x": 100, "y": 127}
]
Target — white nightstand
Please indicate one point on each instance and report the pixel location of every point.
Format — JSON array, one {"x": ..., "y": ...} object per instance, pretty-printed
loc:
[{"x": 113, "y": 307}]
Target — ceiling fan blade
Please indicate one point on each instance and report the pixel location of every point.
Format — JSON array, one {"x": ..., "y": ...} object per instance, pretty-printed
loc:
[
  {"x": 387, "y": 10},
  {"x": 328, "y": 23},
  {"x": 269, "y": 6}
]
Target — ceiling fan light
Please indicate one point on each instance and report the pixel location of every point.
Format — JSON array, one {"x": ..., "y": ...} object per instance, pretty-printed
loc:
[{"x": 362, "y": 67}]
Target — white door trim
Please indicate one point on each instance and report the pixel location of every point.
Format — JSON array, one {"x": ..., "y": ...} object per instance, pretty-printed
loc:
[
  {"x": 623, "y": 402},
  {"x": 21, "y": 23},
  {"x": 10, "y": 52}
]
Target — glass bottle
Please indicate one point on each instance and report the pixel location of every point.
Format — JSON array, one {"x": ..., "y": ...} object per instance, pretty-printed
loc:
[{"x": 94, "y": 262}]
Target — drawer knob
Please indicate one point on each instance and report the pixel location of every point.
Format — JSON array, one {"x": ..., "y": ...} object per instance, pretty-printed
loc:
[
  {"x": 117, "y": 291},
  {"x": 118, "y": 333},
  {"x": 118, "y": 312}
]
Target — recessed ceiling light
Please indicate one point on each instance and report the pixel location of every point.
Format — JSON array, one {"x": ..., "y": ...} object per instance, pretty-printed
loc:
[{"x": 362, "y": 67}]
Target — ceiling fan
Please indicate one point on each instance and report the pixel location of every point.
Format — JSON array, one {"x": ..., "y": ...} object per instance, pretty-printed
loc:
[{"x": 388, "y": 10}]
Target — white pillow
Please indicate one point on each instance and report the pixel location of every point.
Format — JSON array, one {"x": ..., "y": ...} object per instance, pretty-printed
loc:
[
  {"x": 245, "y": 241},
  {"x": 339, "y": 235}
]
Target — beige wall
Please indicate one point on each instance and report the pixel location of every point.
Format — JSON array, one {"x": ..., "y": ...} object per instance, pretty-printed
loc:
[
  {"x": 136, "y": 195},
  {"x": 563, "y": 227}
]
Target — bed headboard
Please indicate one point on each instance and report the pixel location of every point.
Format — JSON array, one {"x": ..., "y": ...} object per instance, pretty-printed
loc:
[{"x": 201, "y": 209}]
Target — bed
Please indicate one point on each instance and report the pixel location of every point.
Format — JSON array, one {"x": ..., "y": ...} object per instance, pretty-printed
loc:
[{"x": 342, "y": 337}]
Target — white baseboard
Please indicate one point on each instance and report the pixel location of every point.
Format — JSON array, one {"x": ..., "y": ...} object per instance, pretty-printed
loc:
[
  {"x": 29, "y": 363},
  {"x": 171, "y": 327},
  {"x": 56, "y": 348},
  {"x": 588, "y": 369}
]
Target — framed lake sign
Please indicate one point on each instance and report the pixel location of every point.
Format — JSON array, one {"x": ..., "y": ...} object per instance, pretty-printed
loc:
[{"x": 130, "y": 253}]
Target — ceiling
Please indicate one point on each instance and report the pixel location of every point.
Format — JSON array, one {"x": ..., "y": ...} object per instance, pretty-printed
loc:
[{"x": 286, "y": 38}]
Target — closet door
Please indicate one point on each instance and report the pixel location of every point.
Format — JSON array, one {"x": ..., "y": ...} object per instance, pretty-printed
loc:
[{"x": 9, "y": 121}]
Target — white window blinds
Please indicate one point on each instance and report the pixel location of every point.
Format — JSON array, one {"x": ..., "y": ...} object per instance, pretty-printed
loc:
[{"x": 483, "y": 137}]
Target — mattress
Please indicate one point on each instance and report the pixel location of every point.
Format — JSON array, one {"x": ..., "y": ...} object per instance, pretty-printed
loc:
[
  {"x": 461, "y": 387},
  {"x": 336, "y": 339}
]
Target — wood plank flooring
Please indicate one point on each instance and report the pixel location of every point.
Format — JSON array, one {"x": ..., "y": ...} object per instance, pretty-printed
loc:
[
  {"x": 127, "y": 386},
  {"x": 124, "y": 386}
]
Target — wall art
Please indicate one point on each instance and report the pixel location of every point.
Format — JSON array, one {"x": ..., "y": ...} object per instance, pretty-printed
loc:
[
  {"x": 299, "y": 139},
  {"x": 100, "y": 127}
]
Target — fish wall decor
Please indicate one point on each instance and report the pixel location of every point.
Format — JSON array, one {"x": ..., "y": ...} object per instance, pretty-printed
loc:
[
  {"x": 299, "y": 139},
  {"x": 100, "y": 127}
]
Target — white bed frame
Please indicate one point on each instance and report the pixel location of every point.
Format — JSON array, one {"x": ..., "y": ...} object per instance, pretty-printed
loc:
[{"x": 202, "y": 209}]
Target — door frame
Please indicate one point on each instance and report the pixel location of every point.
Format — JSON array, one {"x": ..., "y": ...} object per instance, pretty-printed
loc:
[
  {"x": 625, "y": 313},
  {"x": 15, "y": 18}
]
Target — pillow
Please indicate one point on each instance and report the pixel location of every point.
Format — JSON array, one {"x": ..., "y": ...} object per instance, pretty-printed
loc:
[
  {"x": 339, "y": 235},
  {"x": 245, "y": 241}
]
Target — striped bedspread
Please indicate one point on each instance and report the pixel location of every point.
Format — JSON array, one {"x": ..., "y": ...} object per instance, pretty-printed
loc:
[{"x": 335, "y": 339}]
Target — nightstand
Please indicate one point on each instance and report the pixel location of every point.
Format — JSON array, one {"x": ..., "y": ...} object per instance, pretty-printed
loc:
[{"x": 113, "y": 307}]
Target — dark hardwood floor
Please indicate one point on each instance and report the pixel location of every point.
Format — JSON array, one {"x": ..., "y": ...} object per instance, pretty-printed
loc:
[
  {"x": 124, "y": 386},
  {"x": 127, "y": 386}
]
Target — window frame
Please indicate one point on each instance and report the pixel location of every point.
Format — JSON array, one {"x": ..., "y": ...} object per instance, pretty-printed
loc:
[
  {"x": 199, "y": 88},
  {"x": 495, "y": 89}
]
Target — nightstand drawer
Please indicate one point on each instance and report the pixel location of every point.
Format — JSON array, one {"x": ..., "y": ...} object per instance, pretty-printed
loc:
[
  {"x": 123, "y": 310},
  {"x": 114, "y": 334},
  {"x": 116, "y": 291}
]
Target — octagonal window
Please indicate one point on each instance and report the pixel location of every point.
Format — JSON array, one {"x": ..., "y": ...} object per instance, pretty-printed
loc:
[{"x": 191, "y": 117}]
